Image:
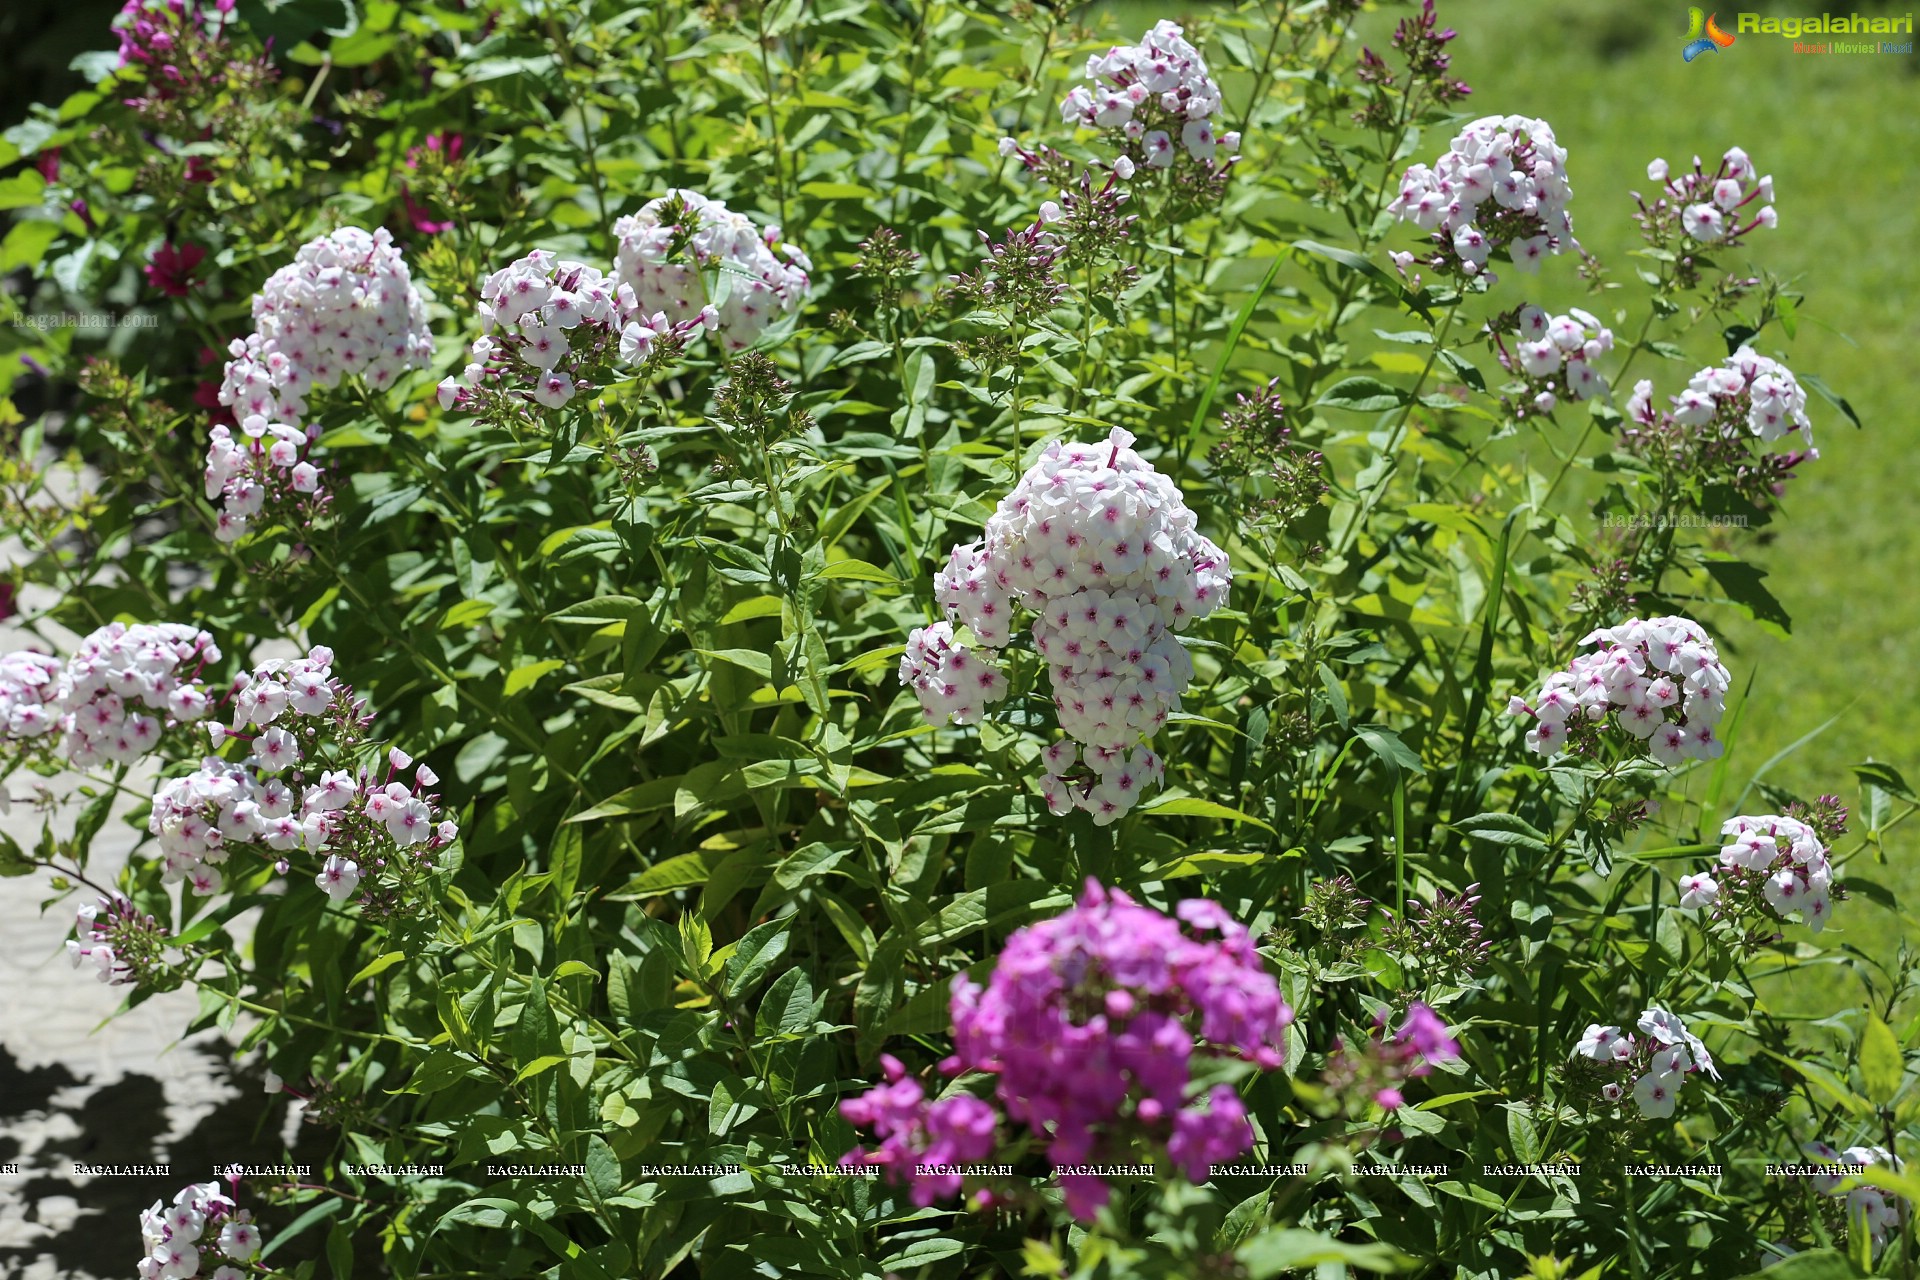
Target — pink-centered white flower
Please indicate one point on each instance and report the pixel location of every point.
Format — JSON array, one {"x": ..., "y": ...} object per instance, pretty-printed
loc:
[{"x": 1103, "y": 551}]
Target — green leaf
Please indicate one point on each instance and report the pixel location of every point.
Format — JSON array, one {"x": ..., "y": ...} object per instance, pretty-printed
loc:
[
  {"x": 524, "y": 676},
  {"x": 1882, "y": 1068},
  {"x": 1817, "y": 1264},
  {"x": 1504, "y": 829},
  {"x": 564, "y": 857},
  {"x": 1372, "y": 270},
  {"x": 466, "y": 613},
  {"x": 754, "y": 956},
  {"x": 1227, "y": 348},
  {"x": 1826, "y": 1081},
  {"x": 1194, "y": 807},
  {"x": 1386, "y": 744},
  {"x": 1293, "y": 1249},
  {"x": 1362, "y": 395},
  {"x": 540, "y": 1065},
  {"x": 1746, "y": 591},
  {"x": 536, "y": 1035},
  {"x": 340, "y": 1251},
  {"x": 380, "y": 965},
  {"x": 603, "y": 1168}
]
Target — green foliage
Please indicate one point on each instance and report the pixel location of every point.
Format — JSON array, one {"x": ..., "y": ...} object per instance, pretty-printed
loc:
[{"x": 713, "y": 862}]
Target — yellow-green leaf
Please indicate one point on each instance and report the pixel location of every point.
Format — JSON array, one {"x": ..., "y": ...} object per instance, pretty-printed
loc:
[
  {"x": 1881, "y": 1066},
  {"x": 381, "y": 965},
  {"x": 525, "y": 675}
]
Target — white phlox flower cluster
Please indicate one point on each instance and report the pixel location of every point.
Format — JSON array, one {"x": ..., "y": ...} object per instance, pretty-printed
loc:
[
  {"x": 1720, "y": 206},
  {"x": 1880, "y": 1210},
  {"x": 1502, "y": 184},
  {"x": 108, "y": 702},
  {"x": 283, "y": 798},
  {"x": 345, "y": 306},
  {"x": 546, "y": 324},
  {"x": 1660, "y": 678},
  {"x": 1659, "y": 1060},
  {"x": 953, "y": 682},
  {"x": 1747, "y": 393},
  {"x": 1556, "y": 356},
  {"x": 1155, "y": 99},
  {"x": 1782, "y": 857},
  {"x": 202, "y": 1234},
  {"x": 1104, "y": 552},
  {"x": 683, "y": 252}
]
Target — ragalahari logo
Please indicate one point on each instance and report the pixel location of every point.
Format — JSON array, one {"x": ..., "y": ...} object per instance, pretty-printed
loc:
[{"x": 1712, "y": 41}]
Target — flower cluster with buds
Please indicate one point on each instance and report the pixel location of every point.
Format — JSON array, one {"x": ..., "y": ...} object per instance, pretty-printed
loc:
[
  {"x": 1155, "y": 103},
  {"x": 1501, "y": 186},
  {"x": 1661, "y": 680},
  {"x": 1779, "y": 861},
  {"x": 123, "y": 944},
  {"x": 684, "y": 252},
  {"x": 559, "y": 324},
  {"x": 1018, "y": 276},
  {"x": 1423, "y": 42},
  {"x": 298, "y": 790},
  {"x": 920, "y": 1142},
  {"x": 1386, "y": 1062},
  {"x": 1747, "y": 394},
  {"x": 1104, "y": 552},
  {"x": 110, "y": 701},
  {"x": 1257, "y": 442},
  {"x": 1555, "y": 357},
  {"x": 1880, "y": 1211},
  {"x": 1719, "y": 208},
  {"x": 346, "y": 306},
  {"x": 1659, "y": 1061},
  {"x": 203, "y": 1233},
  {"x": 1444, "y": 942},
  {"x": 1088, "y": 1027}
]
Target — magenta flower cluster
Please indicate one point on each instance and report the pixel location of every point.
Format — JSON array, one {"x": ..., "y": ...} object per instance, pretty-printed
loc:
[{"x": 1089, "y": 1026}]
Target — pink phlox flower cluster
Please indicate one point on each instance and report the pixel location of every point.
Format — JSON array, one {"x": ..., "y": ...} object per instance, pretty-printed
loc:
[
  {"x": 953, "y": 683},
  {"x": 1104, "y": 552},
  {"x": 1718, "y": 207},
  {"x": 546, "y": 324},
  {"x": 98, "y": 926},
  {"x": 152, "y": 32},
  {"x": 1747, "y": 393},
  {"x": 1660, "y": 678},
  {"x": 1155, "y": 100},
  {"x": 346, "y": 306},
  {"x": 1879, "y": 1210},
  {"x": 280, "y": 800},
  {"x": 1502, "y": 184},
  {"x": 1556, "y": 356},
  {"x": 109, "y": 702},
  {"x": 1660, "y": 1059},
  {"x": 1088, "y": 1025},
  {"x": 1389, "y": 1061},
  {"x": 921, "y": 1142},
  {"x": 29, "y": 685},
  {"x": 1783, "y": 856},
  {"x": 202, "y": 1229},
  {"x": 667, "y": 248}
]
